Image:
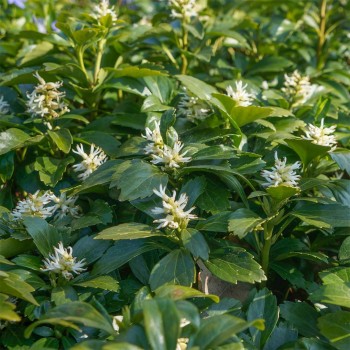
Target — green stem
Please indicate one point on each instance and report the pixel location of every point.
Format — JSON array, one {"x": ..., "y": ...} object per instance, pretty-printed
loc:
[
  {"x": 80, "y": 56},
  {"x": 265, "y": 254},
  {"x": 184, "y": 48},
  {"x": 101, "y": 45},
  {"x": 322, "y": 32}
]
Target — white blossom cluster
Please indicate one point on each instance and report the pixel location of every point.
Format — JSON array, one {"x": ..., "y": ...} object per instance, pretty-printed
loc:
[
  {"x": 4, "y": 106},
  {"x": 281, "y": 173},
  {"x": 63, "y": 262},
  {"x": 103, "y": 9},
  {"x": 90, "y": 161},
  {"x": 183, "y": 9},
  {"x": 46, "y": 100},
  {"x": 298, "y": 88},
  {"x": 240, "y": 95},
  {"x": 46, "y": 205},
  {"x": 161, "y": 153},
  {"x": 321, "y": 135},
  {"x": 175, "y": 215},
  {"x": 193, "y": 108}
]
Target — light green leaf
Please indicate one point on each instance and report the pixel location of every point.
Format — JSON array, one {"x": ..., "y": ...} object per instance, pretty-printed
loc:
[
  {"x": 101, "y": 282},
  {"x": 62, "y": 138},
  {"x": 270, "y": 64},
  {"x": 12, "y": 139},
  {"x": 243, "y": 221},
  {"x": 7, "y": 312},
  {"x": 132, "y": 230},
  {"x": 282, "y": 192},
  {"x": 51, "y": 170},
  {"x": 336, "y": 328},
  {"x": 333, "y": 293},
  {"x": 197, "y": 87}
]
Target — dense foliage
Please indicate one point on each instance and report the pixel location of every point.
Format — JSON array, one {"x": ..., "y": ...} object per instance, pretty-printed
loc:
[{"x": 151, "y": 151}]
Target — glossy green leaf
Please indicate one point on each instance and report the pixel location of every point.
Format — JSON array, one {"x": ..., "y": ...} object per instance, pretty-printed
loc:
[
  {"x": 7, "y": 308},
  {"x": 101, "y": 282},
  {"x": 177, "y": 267},
  {"x": 62, "y": 138},
  {"x": 342, "y": 157},
  {"x": 282, "y": 192},
  {"x": 12, "y": 139},
  {"x": 131, "y": 230},
  {"x": 242, "y": 221},
  {"x": 336, "y": 328},
  {"x": 194, "y": 241},
  {"x": 71, "y": 313},
  {"x": 333, "y": 293},
  {"x": 263, "y": 305},
  {"x": 197, "y": 87}
]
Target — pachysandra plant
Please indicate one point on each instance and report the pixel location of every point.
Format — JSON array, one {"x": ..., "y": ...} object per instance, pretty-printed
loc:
[{"x": 178, "y": 163}]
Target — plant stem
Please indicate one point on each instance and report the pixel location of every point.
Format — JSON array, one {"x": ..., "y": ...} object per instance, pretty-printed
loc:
[
  {"x": 100, "y": 48},
  {"x": 80, "y": 56},
  {"x": 265, "y": 254},
  {"x": 184, "y": 48},
  {"x": 322, "y": 32}
]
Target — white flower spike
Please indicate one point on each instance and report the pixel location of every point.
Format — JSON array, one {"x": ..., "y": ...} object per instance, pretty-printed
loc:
[
  {"x": 64, "y": 206},
  {"x": 183, "y": 9},
  {"x": 63, "y": 262},
  {"x": 34, "y": 205},
  {"x": 241, "y": 96},
  {"x": 193, "y": 108},
  {"x": 46, "y": 100},
  {"x": 90, "y": 161},
  {"x": 176, "y": 217},
  {"x": 321, "y": 135},
  {"x": 282, "y": 174},
  {"x": 103, "y": 9}
]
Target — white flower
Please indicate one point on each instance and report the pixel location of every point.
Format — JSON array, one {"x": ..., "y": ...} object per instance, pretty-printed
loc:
[
  {"x": 184, "y": 9},
  {"x": 46, "y": 99},
  {"x": 90, "y": 161},
  {"x": 176, "y": 217},
  {"x": 34, "y": 205},
  {"x": 321, "y": 135},
  {"x": 155, "y": 138},
  {"x": 63, "y": 262},
  {"x": 4, "y": 106},
  {"x": 162, "y": 153},
  {"x": 171, "y": 156},
  {"x": 282, "y": 174},
  {"x": 65, "y": 206},
  {"x": 298, "y": 88},
  {"x": 241, "y": 96},
  {"x": 116, "y": 321},
  {"x": 103, "y": 9},
  {"x": 193, "y": 108}
]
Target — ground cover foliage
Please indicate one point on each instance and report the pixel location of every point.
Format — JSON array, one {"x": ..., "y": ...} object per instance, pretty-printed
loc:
[{"x": 145, "y": 142}]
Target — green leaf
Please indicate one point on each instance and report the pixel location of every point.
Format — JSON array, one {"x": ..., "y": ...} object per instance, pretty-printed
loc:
[
  {"x": 235, "y": 264},
  {"x": 177, "y": 292},
  {"x": 243, "y": 221},
  {"x": 132, "y": 230},
  {"x": 270, "y": 64},
  {"x": 306, "y": 150},
  {"x": 7, "y": 310},
  {"x": 264, "y": 305},
  {"x": 7, "y": 166},
  {"x": 12, "y": 139},
  {"x": 193, "y": 188},
  {"x": 107, "y": 142},
  {"x": 342, "y": 157},
  {"x": 197, "y": 87},
  {"x": 344, "y": 250},
  {"x": 62, "y": 138},
  {"x": 101, "y": 282},
  {"x": 120, "y": 253},
  {"x": 333, "y": 293},
  {"x": 312, "y": 256},
  {"x": 177, "y": 267},
  {"x": 37, "y": 51},
  {"x": 335, "y": 275},
  {"x": 11, "y": 283},
  {"x": 100, "y": 213},
  {"x": 302, "y": 316},
  {"x": 194, "y": 241},
  {"x": 51, "y": 170},
  {"x": 282, "y": 192},
  {"x": 162, "y": 323},
  {"x": 139, "y": 180},
  {"x": 336, "y": 328},
  {"x": 10, "y": 247},
  {"x": 134, "y": 72},
  {"x": 245, "y": 115},
  {"x": 45, "y": 236},
  {"x": 217, "y": 329},
  {"x": 85, "y": 36},
  {"x": 215, "y": 152},
  {"x": 166, "y": 121},
  {"x": 323, "y": 215},
  {"x": 70, "y": 313}
]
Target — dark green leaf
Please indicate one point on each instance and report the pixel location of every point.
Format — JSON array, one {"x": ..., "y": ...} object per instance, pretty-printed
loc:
[{"x": 194, "y": 241}]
